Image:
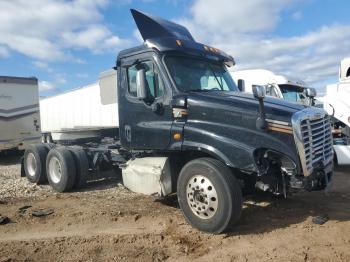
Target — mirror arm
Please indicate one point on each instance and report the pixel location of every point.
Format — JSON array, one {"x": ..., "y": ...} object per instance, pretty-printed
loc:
[{"x": 261, "y": 121}]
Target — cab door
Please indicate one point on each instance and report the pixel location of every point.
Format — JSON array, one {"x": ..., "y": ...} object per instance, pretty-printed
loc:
[{"x": 144, "y": 124}]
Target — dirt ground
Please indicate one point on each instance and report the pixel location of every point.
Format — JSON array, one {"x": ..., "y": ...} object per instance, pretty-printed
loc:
[{"x": 106, "y": 222}]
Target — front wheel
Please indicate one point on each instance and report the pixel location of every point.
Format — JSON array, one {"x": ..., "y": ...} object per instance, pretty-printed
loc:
[{"x": 209, "y": 195}]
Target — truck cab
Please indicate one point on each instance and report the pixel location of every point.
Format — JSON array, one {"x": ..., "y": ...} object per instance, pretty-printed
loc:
[
  {"x": 186, "y": 128},
  {"x": 279, "y": 86}
]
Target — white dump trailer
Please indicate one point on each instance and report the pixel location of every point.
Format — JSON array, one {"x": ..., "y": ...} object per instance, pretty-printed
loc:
[
  {"x": 19, "y": 112},
  {"x": 82, "y": 114}
]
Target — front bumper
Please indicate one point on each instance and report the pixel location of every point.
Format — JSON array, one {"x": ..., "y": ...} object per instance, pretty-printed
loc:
[{"x": 319, "y": 179}]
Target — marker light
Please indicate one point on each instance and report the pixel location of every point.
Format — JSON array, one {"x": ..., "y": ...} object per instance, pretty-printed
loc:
[{"x": 177, "y": 136}]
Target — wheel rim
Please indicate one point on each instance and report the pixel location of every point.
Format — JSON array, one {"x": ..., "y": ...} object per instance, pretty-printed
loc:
[
  {"x": 31, "y": 164},
  {"x": 202, "y": 197},
  {"x": 55, "y": 170}
]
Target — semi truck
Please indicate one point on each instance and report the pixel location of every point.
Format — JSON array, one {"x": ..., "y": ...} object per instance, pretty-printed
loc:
[
  {"x": 19, "y": 113},
  {"x": 279, "y": 86},
  {"x": 336, "y": 103},
  {"x": 185, "y": 128}
]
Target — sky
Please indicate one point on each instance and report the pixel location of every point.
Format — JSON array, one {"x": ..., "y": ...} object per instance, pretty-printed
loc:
[{"x": 67, "y": 43}]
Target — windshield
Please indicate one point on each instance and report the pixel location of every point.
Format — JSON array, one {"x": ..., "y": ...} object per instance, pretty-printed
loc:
[
  {"x": 293, "y": 93},
  {"x": 199, "y": 75}
]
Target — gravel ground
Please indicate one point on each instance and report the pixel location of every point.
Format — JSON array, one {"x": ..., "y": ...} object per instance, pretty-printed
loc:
[
  {"x": 106, "y": 222},
  {"x": 12, "y": 185}
]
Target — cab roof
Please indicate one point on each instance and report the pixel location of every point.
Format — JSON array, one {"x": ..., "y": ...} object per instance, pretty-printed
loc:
[{"x": 163, "y": 35}]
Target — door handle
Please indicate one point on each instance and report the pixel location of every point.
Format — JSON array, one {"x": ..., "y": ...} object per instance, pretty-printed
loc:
[{"x": 127, "y": 130}]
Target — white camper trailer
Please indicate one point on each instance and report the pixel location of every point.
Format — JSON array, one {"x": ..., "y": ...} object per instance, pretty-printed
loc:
[
  {"x": 83, "y": 113},
  {"x": 19, "y": 112},
  {"x": 279, "y": 86}
]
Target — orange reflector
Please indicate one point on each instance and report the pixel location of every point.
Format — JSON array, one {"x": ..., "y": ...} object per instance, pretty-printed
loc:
[
  {"x": 177, "y": 136},
  {"x": 178, "y": 42}
]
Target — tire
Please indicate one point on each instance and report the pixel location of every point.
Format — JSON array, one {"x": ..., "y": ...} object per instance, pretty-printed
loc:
[
  {"x": 49, "y": 146},
  {"x": 35, "y": 163},
  {"x": 216, "y": 200},
  {"x": 60, "y": 169},
  {"x": 82, "y": 166}
]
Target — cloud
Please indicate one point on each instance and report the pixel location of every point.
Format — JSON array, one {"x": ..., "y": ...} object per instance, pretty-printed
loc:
[
  {"x": 45, "y": 86},
  {"x": 232, "y": 16},
  {"x": 137, "y": 35},
  {"x": 297, "y": 15},
  {"x": 48, "y": 30},
  {"x": 4, "y": 52},
  {"x": 82, "y": 75},
  {"x": 96, "y": 38},
  {"x": 52, "y": 85},
  {"x": 42, "y": 66},
  {"x": 313, "y": 57},
  {"x": 245, "y": 29}
]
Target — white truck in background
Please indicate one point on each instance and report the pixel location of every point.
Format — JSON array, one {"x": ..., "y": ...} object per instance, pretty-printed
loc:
[
  {"x": 19, "y": 113},
  {"x": 278, "y": 86},
  {"x": 337, "y": 103}
]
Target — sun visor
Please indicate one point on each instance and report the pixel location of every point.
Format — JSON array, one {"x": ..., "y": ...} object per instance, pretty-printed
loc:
[{"x": 156, "y": 27}]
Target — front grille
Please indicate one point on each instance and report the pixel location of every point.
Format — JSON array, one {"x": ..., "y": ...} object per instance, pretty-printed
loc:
[{"x": 313, "y": 135}]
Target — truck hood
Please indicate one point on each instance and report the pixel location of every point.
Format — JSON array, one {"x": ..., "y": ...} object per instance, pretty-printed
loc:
[
  {"x": 228, "y": 121},
  {"x": 276, "y": 108}
]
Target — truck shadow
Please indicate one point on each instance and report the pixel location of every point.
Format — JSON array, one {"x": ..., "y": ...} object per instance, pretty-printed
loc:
[
  {"x": 103, "y": 181},
  {"x": 264, "y": 213}
]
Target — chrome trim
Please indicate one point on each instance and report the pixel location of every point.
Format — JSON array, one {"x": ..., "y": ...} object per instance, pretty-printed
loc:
[
  {"x": 278, "y": 122},
  {"x": 312, "y": 150}
]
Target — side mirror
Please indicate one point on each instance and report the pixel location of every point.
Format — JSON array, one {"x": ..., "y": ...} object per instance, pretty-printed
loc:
[
  {"x": 141, "y": 84},
  {"x": 241, "y": 85},
  {"x": 259, "y": 92},
  {"x": 311, "y": 92}
]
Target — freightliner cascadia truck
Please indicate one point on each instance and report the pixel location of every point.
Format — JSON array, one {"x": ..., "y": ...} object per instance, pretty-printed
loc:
[{"x": 185, "y": 128}]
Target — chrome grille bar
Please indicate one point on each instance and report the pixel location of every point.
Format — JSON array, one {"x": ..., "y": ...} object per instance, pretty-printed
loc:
[{"x": 313, "y": 138}]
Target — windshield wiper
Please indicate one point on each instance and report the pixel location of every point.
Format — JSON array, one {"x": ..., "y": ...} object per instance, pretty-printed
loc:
[
  {"x": 217, "y": 80},
  {"x": 199, "y": 90}
]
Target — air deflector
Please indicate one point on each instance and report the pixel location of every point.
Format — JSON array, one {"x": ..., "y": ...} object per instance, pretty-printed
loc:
[{"x": 156, "y": 27}]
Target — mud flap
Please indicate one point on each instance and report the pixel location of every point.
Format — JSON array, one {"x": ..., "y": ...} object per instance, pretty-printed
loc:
[
  {"x": 148, "y": 175},
  {"x": 23, "y": 173}
]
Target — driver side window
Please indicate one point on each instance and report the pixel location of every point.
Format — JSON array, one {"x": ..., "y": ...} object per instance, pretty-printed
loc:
[{"x": 154, "y": 83}]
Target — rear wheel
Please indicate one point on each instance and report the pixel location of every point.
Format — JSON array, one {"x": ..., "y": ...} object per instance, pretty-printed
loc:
[
  {"x": 35, "y": 162},
  {"x": 60, "y": 168},
  {"x": 82, "y": 166},
  {"x": 209, "y": 195},
  {"x": 49, "y": 146}
]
